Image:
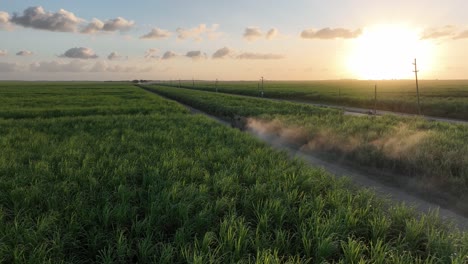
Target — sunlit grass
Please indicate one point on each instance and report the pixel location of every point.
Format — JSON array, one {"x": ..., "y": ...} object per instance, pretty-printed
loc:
[
  {"x": 427, "y": 157},
  {"x": 170, "y": 187}
]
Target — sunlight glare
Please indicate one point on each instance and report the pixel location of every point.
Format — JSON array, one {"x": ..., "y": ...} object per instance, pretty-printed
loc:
[{"x": 387, "y": 52}]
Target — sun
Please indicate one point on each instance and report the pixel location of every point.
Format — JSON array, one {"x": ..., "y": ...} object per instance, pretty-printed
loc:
[{"x": 387, "y": 52}]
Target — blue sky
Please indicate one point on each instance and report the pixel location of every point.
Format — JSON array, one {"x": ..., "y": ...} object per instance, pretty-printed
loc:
[{"x": 310, "y": 39}]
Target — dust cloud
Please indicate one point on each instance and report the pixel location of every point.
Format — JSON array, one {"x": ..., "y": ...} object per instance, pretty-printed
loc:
[{"x": 397, "y": 144}]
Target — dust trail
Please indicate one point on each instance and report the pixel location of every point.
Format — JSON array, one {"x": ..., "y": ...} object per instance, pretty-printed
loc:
[{"x": 401, "y": 143}]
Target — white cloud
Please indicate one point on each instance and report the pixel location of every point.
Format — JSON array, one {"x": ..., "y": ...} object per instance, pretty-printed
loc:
[
  {"x": 118, "y": 24},
  {"x": 8, "y": 67},
  {"x": 260, "y": 56},
  {"x": 195, "y": 55},
  {"x": 38, "y": 18},
  {"x": 197, "y": 33},
  {"x": 462, "y": 35},
  {"x": 94, "y": 26},
  {"x": 252, "y": 33},
  {"x": 169, "y": 55},
  {"x": 4, "y": 17},
  {"x": 80, "y": 66},
  {"x": 3, "y": 53},
  {"x": 223, "y": 53},
  {"x": 101, "y": 66},
  {"x": 435, "y": 33},
  {"x": 24, "y": 53},
  {"x": 114, "y": 56},
  {"x": 65, "y": 21},
  {"x": 79, "y": 53},
  {"x": 111, "y": 25},
  {"x": 272, "y": 33},
  {"x": 5, "y": 20},
  {"x": 151, "y": 54},
  {"x": 56, "y": 66},
  {"x": 157, "y": 33},
  {"x": 331, "y": 33}
]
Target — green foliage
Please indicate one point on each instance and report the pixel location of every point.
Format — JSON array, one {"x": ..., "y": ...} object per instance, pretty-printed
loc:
[
  {"x": 427, "y": 157},
  {"x": 171, "y": 187},
  {"x": 444, "y": 98},
  {"x": 45, "y": 100}
]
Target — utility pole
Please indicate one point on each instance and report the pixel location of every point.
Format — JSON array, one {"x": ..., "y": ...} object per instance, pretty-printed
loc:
[
  {"x": 216, "y": 85},
  {"x": 375, "y": 100},
  {"x": 417, "y": 84},
  {"x": 263, "y": 91},
  {"x": 179, "y": 83},
  {"x": 193, "y": 83}
]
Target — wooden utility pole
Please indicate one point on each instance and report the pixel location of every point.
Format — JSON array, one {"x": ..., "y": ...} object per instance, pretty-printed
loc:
[
  {"x": 375, "y": 99},
  {"x": 179, "y": 83},
  {"x": 417, "y": 84},
  {"x": 216, "y": 85},
  {"x": 193, "y": 83},
  {"x": 262, "y": 88}
]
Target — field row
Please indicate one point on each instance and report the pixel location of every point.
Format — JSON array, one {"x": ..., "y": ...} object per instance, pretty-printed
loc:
[
  {"x": 45, "y": 100},
  {"x": 427, "y": 157},
  {"x": 170, "y": 187},
  {"x": 438, "y": 98}
]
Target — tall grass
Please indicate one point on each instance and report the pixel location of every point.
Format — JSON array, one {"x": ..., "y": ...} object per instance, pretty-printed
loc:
[
  {"x": 429, "y": 158},
  {"x": 177, "y": 188},
  {"x": 443, "y": 98}
]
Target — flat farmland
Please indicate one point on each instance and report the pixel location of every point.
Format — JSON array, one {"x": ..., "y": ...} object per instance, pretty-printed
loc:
[
  {"x": 142, "y": 180},
  {"x": 428, "y": 157},
  {"x": 440, "y": 98}
]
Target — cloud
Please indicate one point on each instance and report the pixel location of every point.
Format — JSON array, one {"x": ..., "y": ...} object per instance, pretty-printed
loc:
[
  {"x": 114, "y": 56},
  {"x": 8, "y": 67},
  {"x": 435, "y": 33},
  {"x": 101, "y": 66},
  {"x": 79, "y": 53},
  {"x": 118, "y": 24},
  {"x": 252, "y": 33},
  {"x": 169, "y": 55},
  {"x": 157, "y": 33},
  {"x": 4, "y": 17},
  {"x": 260, "y": 56},
  {"x": 152, "y": 54},
  {"x": 197, "y": 33},
  {"x": 462, "y": 35},
  {"x": 38, "y": 18},
  {"x": 94, "y": 26},
  {"x": 3, "y": 53},
  {"x": 5, "y": 20},
  {"x": 24, "y": 53},
  {"x": 331, "y": 33},
  {"x": 111, "y": 25},
  {"x": 271, "y": 34},
  {"x": 222, "y": 53},
  {"x": 55, "y": 66},
  {"x": 195, "y": 55},
  {"x": 79, "y": 66}
]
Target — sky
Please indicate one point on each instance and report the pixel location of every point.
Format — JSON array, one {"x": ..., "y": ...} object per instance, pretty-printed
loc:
[{"x": 233, "y": 40}]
